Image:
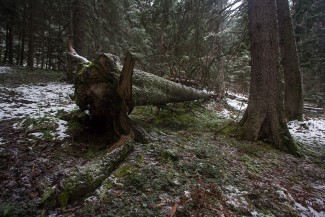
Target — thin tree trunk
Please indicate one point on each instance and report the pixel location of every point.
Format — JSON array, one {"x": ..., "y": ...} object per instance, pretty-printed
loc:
[
  {"x": 11, "y": 42},
  {"x": 49, "y": 46},
  {"x": 23, "y": 36},
  {"x": 18, "y": 49},
  {"x": 30, "y": 56},
  {"x": 79, "y": 27},
  {"x": 43, "y": 37},
  {"x": 293, "y": 94},
  {"x": 264, "y": 117},
  {"x": 59, "y": 40},
  {"x": 5, "y": 56}
]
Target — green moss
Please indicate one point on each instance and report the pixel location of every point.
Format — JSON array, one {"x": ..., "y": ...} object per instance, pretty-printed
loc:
[
  {"x": 48, "y": 193},
  {"x": 138, "y": 181},
  {"x": 47, "y": 134},
  {"x": 251, "y": 165},
  {"x": 229, "y": 128},
  {"x": 125, "y": 170},
  {"x": 63, "y": 199},
  {"x": 249, "y": 149},
  {"x": 103, "y": 191},
  {"x": 168, "y": 155},
  {"x": 139, "y": 159},
  {"x": 177, "y": 117},
  {"x": 201, "y": 153},
  {"x": 6, "y": 209}
]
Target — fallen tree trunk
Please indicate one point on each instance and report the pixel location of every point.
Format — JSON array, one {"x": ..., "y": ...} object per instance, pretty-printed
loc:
[
  {"x": 318, "y": 110},
  {"x": 149, "y": 89},
  {"x": 86, "y": 179},
  {"x": 109, "y": 91}
]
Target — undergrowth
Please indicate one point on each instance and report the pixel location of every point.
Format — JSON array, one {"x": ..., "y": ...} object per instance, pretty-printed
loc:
[{"x": 19, "y": 75}]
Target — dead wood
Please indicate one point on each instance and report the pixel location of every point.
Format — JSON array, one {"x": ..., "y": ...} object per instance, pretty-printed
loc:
[
  {"x": 87, "y": 178},
  {"x": 109, "y": 91}
]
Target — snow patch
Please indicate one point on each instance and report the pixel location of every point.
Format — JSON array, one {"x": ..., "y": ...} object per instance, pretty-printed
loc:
[
  {"x": 255, "y": 213},
  {"x": 235, "y": 197},
  {"x": 237, "y": 105},
  {"x": 310, "y": 132},
  {"x": 37, "y": 134},
  {"x": 62, "y": 128},
  {"x": 308, "y": 211},
  {"x": 5, "y": 69},
  {"x": 35, "y": 101}
]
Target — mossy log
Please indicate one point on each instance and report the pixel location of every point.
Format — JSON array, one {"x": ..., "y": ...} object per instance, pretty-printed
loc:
[
  {"x": 86, "y": 179},
  {"x": 109, "y": 90}
]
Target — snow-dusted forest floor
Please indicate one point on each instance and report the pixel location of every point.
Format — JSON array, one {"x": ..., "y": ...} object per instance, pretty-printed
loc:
[{"x": 191, "y": 165}]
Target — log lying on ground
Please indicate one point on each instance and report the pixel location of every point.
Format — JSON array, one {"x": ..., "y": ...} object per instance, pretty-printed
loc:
[
  {"x": 149, "y": 89},
  {"x": 86, "y": 179},
  {"x": 109, "y": 91},
  {"x": 318, "y": 110}
]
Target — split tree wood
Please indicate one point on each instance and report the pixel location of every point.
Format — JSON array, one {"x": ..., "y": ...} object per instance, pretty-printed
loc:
[{"x": 110, "y": 91}]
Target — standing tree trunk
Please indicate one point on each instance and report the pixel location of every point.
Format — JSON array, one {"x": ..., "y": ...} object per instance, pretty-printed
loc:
[
  {"x": 264, "y": 117},
  {"x": 5, "y": 56},
  {"x": 9, "y": 52},
  {"x": 11, "y": 42},
  {"x": 293, "y": 99},
  {"x": 23, "y": 34},
  {"x": 30, "y": 56},
  {"x": 79, "y": 27}
]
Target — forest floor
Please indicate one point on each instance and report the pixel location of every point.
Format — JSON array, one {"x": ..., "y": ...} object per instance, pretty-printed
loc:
[{"x": 193, "y": 166}]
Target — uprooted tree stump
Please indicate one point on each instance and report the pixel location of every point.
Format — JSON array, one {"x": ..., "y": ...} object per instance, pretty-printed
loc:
[{"x": 109, "y": 92}]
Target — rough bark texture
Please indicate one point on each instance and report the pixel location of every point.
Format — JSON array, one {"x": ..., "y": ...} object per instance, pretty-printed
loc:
[
  {"x": 293, "y": 99},
  {"x": 149, "y": 89},
  {"x": 86, "y": 179},
  {"x": 264, "y": 117},
  {"x": 30, "y": 56},
  {"x": 79, "y": 26},
  {"x": 104, "y": 88}
]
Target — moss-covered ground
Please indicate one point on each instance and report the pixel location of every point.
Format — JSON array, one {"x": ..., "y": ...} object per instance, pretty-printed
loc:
[{"x": 189, "y": 168}]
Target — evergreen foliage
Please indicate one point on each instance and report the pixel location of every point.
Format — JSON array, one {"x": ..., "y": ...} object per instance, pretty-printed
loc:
[
  {"x": 309, "y": 21},
  {"x": 203, "y": 41}
]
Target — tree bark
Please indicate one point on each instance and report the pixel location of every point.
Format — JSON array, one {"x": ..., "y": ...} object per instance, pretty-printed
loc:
[
  {"x": 86, "y": 179},
  {"x": 30, "y": 56},
  {"x": 293, "y": 94},
  {"x": 264, "y": 117},
  {"x": 104, "y": 88},
  {"x": 78, "y": 26},
  {"x": 10, "y": 42},
  {"x": 7, "y": 46},
  {"x": 23, "y": 35}
]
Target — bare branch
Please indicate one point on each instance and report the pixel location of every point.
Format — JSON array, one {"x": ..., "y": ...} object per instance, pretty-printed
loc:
[{"x": 72, "y": 53}]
